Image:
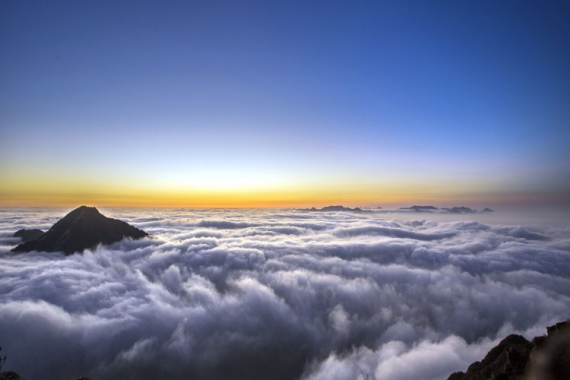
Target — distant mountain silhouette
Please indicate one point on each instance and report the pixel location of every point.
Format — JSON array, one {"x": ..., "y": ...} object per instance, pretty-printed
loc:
[
  {"x": 82, "y": 228},
  {"x": 334, "y": 208},
  {"x": 28, "y": 235},
  {"x": 449, "y": 210},
  {"x": 487, "y": 210},
  {"x": 420, "y": 208},
  {"x": 460, "y": 210}
]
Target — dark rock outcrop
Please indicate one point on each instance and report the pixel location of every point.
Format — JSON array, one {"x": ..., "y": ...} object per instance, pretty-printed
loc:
[
  {"x": 507, "y": 360},
  {"x": 10, "y": 375},
  {"x": 28, "y": 235},
  {"x": 515, "y": 358},
  {"x": 84, "y": 227},
  {"x": 487, "y": 210},
  {"x": 550, "y": 358}
]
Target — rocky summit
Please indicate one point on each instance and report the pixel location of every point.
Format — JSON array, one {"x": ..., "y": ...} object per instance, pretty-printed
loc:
[{"x": 84, "y": 227}]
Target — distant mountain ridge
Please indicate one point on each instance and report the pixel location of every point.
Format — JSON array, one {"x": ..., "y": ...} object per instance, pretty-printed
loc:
[
  {"x": 459, "y": 210},
  {"x": 416, "y": 208},
  {"x": 333, "y": 208},
  {"x": 84, "y": 227},
  {"x": 449, "y": 210}
]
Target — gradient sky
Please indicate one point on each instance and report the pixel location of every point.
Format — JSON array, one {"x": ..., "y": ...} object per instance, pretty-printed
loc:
[{"x": 266, "y": 103}]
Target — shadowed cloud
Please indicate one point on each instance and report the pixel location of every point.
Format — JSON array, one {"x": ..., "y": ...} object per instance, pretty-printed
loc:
[{"x": 257, "y": 294}]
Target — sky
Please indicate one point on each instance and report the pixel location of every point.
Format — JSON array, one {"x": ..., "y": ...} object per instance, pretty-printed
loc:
[{"x": 284, "y": 104}]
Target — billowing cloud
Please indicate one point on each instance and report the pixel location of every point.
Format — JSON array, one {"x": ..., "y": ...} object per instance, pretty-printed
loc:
[{"x": 277, "y": 294}]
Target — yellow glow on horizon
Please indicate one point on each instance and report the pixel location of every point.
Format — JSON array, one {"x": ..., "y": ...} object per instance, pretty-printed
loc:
[
  {"x": 72, "y": 194},
  {"x": 42, "y": 189}
]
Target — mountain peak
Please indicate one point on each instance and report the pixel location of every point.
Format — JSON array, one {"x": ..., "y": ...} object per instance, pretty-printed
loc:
[
  {"x": 85, "y": 227},
  {"x": 85, "y": 210}
]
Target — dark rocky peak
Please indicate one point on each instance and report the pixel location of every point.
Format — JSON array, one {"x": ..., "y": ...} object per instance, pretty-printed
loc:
[
  {"x": 85, "y": 227},
  {"x": 28, "y": 235},
  {"x": 487, "y": 210},
  {"x": 85, "y": 210}
]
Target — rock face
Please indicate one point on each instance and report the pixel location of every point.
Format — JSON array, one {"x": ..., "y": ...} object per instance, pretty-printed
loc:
[
  {"x": 10, "y": 375},
  {"x": 507, "y": 360},
  {"x": 28, "y": 235},
  {"x": 82, "y": 228},
  {"x": 515, "y": 358}
]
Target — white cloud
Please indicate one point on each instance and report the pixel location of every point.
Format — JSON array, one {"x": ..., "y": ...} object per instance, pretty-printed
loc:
[{"x": 277, "y": 294}]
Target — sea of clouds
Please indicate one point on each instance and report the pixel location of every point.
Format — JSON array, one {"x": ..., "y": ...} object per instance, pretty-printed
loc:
[{"x": 277, "y": 294}]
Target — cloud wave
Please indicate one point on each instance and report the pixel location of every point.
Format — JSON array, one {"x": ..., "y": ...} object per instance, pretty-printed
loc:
[{"x": 277, "y": 294}]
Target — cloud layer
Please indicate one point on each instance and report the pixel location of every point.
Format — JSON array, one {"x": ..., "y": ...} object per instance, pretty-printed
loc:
[{"x": 277, "y": 295}]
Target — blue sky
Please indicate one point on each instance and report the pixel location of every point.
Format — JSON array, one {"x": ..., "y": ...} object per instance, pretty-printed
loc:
[{"x": 471, "y": 95}]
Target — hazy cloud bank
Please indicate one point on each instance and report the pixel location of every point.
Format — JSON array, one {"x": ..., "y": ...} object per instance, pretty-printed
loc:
[{"x": 277, "y": 294}]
